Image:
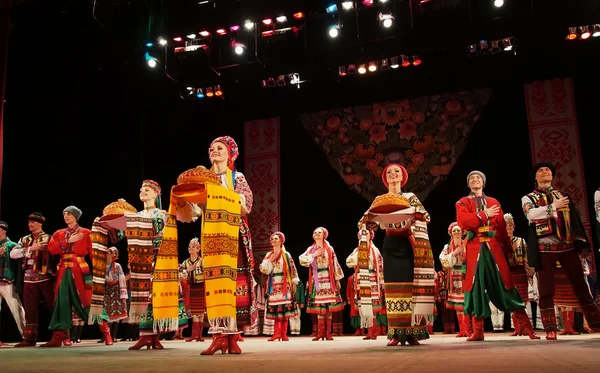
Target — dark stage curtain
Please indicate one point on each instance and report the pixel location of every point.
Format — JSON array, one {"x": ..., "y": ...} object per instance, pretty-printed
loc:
[
  {"x": 425, "y": 134},
  {"x": 4, "y": 31}
]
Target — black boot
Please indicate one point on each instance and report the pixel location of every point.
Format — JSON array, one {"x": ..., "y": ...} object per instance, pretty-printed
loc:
[
  {"x": 127, "y": 332},
  {"x": 74, "y": 334},
  {"x": 135, "y": 334},
  {"x": 79, "y": 333},
  {"x": 114, "y": 331}
]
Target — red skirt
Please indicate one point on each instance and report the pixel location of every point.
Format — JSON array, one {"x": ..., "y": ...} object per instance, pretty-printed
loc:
[
  {"x": 520, "y": 279},
  {"x": 197, "y": 304}
]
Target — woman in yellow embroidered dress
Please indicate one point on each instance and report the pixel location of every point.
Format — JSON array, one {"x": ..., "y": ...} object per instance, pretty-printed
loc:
[
  {"x": 324, "y": 277},
  {"x": 281, "y": 286},
  {"x": 223, "y": 152}
]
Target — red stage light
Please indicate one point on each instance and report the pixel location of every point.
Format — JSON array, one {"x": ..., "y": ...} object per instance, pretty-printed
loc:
[
  {"x": 204, "y": 33},
  {"x": 218, "y": 91},
  {"x": 299, "y": 15},
  {"x": 405, "y": 61},
  {"x": 267, "y": 33},
  {"x": 572, "y": 33},
  {"x": 267, "y": 21},
  {"x": 417, "y": 60},
  {"x": 367, "y": 2}
]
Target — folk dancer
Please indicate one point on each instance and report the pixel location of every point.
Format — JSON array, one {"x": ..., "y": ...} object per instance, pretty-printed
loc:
[
  {"x": 409, "y": 272},
  {"x": 324, "y": 275},
  {"x": 194, "y": 275},
  {"x": 367, "y": 283},
  {"x": 452, "y": 258},
  {"x": 300, "y": 296},
  {"x": 279, "y": 265},
  {"x": 73, "y": 290},
  {"x": 115, "y": 293},
  {"x": 7, "y": 278},
  {"x": 223, "y": 152},
  {"x": 521, "y": 272},
  {"x": 39, "y": 275},
  {"x": 488, "y": 277},
  {"x": 448, "y": 316},
  {"x": 354, "y": 317},
  {"x": 556, "y": 234}
]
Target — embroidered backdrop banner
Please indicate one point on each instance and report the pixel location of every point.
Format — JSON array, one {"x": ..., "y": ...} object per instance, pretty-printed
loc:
[
  {"x": 262, "y": 170},
  {"x": 425, "y": 134},
  {"x": 554, "y": 137}
]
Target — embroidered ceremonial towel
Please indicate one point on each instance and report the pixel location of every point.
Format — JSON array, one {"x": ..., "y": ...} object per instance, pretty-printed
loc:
[
  {"x": 165, "y": 278},
  {"x": 140, "y": 232},
  {"x": 365, "y": 303},
  {"x": 424, "y": 275},
  {"x": 220, "y": 241},
  {"x": 99, "y": 238}
]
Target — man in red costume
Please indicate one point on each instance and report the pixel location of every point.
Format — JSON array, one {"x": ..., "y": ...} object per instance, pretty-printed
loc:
[
  {"x": 73, "y": 289},
  {"x": 556, "y": 234},
  {"x": 488, "y": 274}
]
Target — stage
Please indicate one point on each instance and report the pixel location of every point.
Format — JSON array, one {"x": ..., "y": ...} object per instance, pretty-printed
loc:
[{"x": 441, "y": 353}]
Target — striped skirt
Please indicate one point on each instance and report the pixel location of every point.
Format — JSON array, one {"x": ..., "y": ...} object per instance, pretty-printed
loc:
[
  {"x": 520, "y": 279},
  {"x": 197, "y": 301},
  {"x": 564, "y": 296}
]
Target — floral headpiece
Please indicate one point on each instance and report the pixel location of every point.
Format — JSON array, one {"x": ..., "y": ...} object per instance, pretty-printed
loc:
[{"x": 232, "y": 149}]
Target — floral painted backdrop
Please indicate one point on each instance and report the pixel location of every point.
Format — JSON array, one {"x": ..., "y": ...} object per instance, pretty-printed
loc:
[{"x": 426, "y": 135}]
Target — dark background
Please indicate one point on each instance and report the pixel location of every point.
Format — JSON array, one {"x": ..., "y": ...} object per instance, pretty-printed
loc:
[{"x": 86, "y": 120}]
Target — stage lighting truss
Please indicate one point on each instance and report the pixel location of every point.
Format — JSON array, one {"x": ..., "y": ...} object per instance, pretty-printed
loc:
[
  {"x": 384, "y": 64},
  {"x": 193, "y": 93},
  {"x": 583, "y": 32},
  {"x": 483, "y": 47},
  {"x": 283, "y": 80}
]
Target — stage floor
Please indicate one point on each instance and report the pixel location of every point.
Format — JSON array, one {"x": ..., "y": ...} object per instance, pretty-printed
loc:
[{"x": 441, "y": 353}]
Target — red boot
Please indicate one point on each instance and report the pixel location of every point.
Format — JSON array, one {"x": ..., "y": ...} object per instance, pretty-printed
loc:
[
  {"x": 196, "y": 332},
  {"x": 383, "y": 330},
  {"x": 477, "y": 329},
  {"x": 67, "y": 339},
  {"x": 328, "y": 328},
  {"x": 320, "y": 329},
  {"x": 358, "y": 332},
  {"x": 464, "y": 325},
  {"x": 517, "y": 331},
  {"x": 156, "y": 345},
  {"x": 525, "y": 324},
  {"x": 430, "y": 329},
  {"x": 569, "y": 319},
  {"x": 29, "y": 336},
  {"x": 240, "y": 338},
  {"x": 233, "y": 346},
  {"x": 106, "y": 333},
  {"x": 277, "y": 332},
  {"x": 314, "y": 330},
  {"x": 220, "y": 342},
  {"x": 372, "y": 331},
  {"x": 283, "y": 331},
  {"x": 144, "y": 341},
  {"x": 57, "y": 339}
]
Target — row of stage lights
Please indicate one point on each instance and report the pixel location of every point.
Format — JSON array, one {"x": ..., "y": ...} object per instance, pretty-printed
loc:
[
  {"x": 282, "y": 81},
  {"x": 385, "y": 64},
  {"x": 200, "y": 93},
  {"x": 494, "y": 47},
  {"x": 583, "y": 32}
]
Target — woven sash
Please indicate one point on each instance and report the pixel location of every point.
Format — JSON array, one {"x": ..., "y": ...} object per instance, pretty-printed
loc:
[
  {"x": 139, "y": 233},
  {"x": 423, "y": 299},
  {"x": 365, "y": 302},
  {"x": 99, "y": 238}
]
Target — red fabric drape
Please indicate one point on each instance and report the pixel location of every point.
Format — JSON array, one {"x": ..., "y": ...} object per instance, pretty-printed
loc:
[{"x": 4, "y": 30}]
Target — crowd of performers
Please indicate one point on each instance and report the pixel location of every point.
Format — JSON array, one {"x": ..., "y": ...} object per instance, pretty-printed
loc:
[{"x": 395, "y": 292}]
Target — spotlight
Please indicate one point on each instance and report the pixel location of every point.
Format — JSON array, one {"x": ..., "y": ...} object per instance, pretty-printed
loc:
[
  {"x": 249, "y": 25},
  {"x": 162, "y": 41},
  {"x": 209, "y": 92},
  {"x": 351, "y": 69},
  {"x": 177, "y": 39},
  {"x": 281, "y": 80},
  {"x": 218, "y": 91},
  {"x": 234, "y": 28},
  {"x": 271, "y": 82},
  {"x": 281, "y": 19},
  {"x": 416, "y": 60},
  {"x": 507, "y": 44},
  {"x": 367, "y": 2},
  {"x": 385, "y": 65},
  {"x": 362, "y": 69},
  {"x": 191, "y": 36},
  {"x": 205, "y": 33},
  {"x": 596, "y": 29},
  {"x": 199, "y": 93},
  {"x": 347, "y": 5},
  {"x": 394, "y": 62},
  {"x": 405, "y": 61},
  {"x": 383, "y": 1},
  {"x": 331, "y": 8},
  {"x": 572, "y": 33},
  {"x": 221, "y": 31},
  {"x": 299, "y": 15},
  {"x": 151, "y": 61},
  {"x": 386, "y": 20},
  {"x": 294, "y": 78},
  {"x": 342, "y": 70},
  {"x": 267, "y": 21},
  {"x": 585, "y": 32},
  {"x": 238, "y": 48},
  {"x": 472, "y": 50},
  {"x": 372, "y": 66},
  {"x": 498, "y": 3},
  {"x": 334, "y": 31}
]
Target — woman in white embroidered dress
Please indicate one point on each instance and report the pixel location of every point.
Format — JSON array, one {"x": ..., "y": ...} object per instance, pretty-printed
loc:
[
  {"x": 375, "y": 281},
  {"x": 452, "y": 257},
  {"x": 324, "y": 278},
  {"x": 281, "y": 286},
  {"x": 115, "y": 292}
]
